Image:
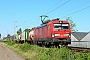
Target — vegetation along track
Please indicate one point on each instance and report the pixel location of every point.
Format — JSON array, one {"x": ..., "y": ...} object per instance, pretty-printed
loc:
[{"x": 78, "y": 49}]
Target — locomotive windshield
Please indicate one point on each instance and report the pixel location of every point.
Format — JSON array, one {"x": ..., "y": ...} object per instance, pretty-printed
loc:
[{"x": 60, "y": 26}]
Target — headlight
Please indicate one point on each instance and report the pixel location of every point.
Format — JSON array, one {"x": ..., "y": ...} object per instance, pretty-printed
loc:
[
  {"x": 66, "y": 34},
  {"x": 52, "y": 35},
  {"x": 69, "y": 36},
  {"x": 57, "y": 34}
]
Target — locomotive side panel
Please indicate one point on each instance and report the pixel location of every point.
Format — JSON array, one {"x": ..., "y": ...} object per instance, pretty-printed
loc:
[{"x": 56, "y": 32}]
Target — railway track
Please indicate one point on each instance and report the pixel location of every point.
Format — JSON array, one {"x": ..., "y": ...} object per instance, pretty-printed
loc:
[{"x": 78, "y": 49}]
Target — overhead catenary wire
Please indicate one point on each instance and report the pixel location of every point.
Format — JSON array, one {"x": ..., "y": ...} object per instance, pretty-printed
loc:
[
  {"x": 49, "y": 9},
  {"x": 76, "y": 11},
  {"x": 77, "y": 6},
  {"x": 62, "y": 5},
  {"x": 58, "y": 7},
  {"x": 53, "y": 6},
  {"x": 54, "y": 9}
]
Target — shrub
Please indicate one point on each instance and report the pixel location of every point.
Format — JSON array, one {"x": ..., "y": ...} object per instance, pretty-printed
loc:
[
  {"x": 10, "y": 43},
  {"x": 43, "y": 53}
]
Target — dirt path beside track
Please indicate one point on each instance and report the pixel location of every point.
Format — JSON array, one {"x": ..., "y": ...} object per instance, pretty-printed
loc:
[{"x": 8, "y": 54}]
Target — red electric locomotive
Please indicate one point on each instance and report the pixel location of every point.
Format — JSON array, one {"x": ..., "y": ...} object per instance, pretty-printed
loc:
[{"x": 55, "y": 32}]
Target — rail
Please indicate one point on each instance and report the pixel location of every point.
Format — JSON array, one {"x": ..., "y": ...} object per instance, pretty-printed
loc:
[{"x": 78, "y": 49}]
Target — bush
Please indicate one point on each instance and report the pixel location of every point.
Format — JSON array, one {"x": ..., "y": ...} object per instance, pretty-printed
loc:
[
  {"x": 55, "y": 54},
  {"x": 43, "y": 53},
  {"x": 10, "y": 43}
]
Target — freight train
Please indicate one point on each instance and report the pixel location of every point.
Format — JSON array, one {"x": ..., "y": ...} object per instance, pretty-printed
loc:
[{"x": 55, "y": 32}]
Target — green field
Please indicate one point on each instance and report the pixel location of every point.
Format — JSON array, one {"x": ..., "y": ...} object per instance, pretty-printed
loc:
[{"x": 34, "y": 52}]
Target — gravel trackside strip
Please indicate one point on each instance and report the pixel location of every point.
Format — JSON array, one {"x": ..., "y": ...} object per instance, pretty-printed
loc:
[{"x": 8, "y": 54}]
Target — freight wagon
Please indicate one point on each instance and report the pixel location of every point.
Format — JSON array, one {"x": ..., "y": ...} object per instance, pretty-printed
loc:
[{"x": 25, "y": 36}]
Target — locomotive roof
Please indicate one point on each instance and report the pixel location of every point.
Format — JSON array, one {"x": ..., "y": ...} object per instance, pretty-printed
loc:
[
  {"x": 64, "y": 21},
  {"x": 42, "y": 25}
]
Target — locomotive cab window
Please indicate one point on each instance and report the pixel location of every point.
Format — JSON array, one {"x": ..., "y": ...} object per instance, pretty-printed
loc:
[
  {"x": 60, "y": 26},
  {"x": 57, "y": 26},
  {"x": 64, "y": 26}
]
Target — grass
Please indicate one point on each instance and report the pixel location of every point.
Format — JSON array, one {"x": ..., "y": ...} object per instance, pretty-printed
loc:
[{"x": 34, "y": 52}]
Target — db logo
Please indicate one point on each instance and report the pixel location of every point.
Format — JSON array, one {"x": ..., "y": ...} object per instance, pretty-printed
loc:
[{"x": 61, "y": 35}]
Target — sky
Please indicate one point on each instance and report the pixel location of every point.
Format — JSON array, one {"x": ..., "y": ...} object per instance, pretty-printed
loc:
[{"x": 26, "y": 13}]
